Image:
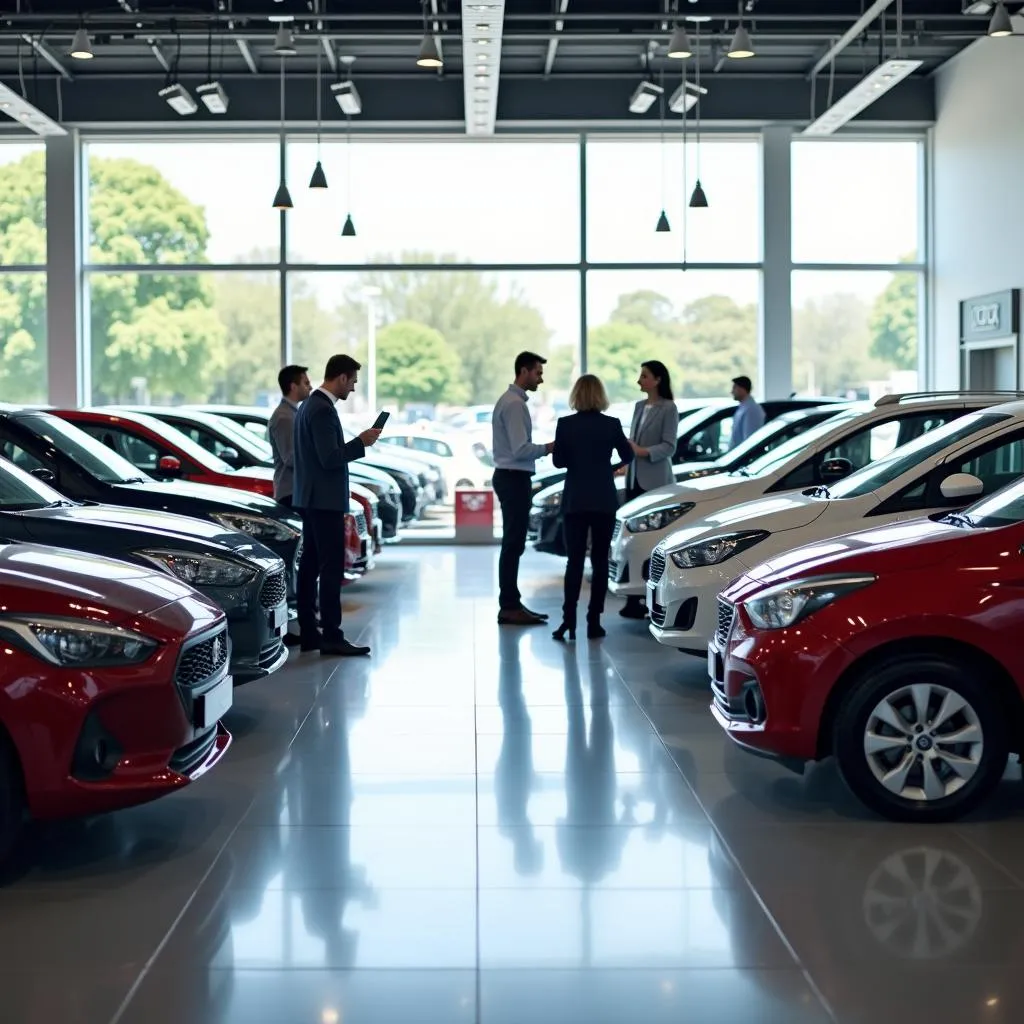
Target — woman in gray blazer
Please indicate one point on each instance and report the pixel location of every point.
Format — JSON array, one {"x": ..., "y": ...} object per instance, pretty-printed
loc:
[{"x": 652, "y": 437}]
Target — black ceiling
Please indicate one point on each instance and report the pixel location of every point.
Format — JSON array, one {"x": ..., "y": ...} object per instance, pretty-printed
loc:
[{"x": 562, "y": 61}]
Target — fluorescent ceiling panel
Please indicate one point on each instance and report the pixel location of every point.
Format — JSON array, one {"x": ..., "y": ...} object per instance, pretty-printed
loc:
[
  {"x": 19, "y": 109},
  {"x": 885, "y": 77},
  {"x": 481, "y": 64}
]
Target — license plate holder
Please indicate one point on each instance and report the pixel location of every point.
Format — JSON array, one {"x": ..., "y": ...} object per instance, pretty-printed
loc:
[
  {"x": 210, "y": 707},
  {"x": 278, "y": 617}
]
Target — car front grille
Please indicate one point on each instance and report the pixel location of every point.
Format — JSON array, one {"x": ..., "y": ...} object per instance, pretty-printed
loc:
[
  {"x": 617, "y": 531},
  {"x": 726, "y": 611},
  {"x": 269, "y": 653},
  {"x": 360, "y": 522},
  {"x": 657, "y": 566},
  {"x": 658, "y": 614},
  {"x": 274, "y": 590},
  {"x": 203, "y": 660}
]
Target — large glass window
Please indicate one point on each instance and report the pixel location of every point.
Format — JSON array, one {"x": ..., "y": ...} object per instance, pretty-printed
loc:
[
  {"x": 22, "y": 204},
  {"x": 183, "y": 201},
  {"x": 168, "y": 338},
  {"x": 855, "y": 332},
  {"x": 629, "y": 182},
  {"x": 701, "y": 324},
  {"x": 436, "y": 202},
  {"x": 445, "y": 341},
  {"x": 856, "y": 200},
  {"x": 23, "y": 359}
]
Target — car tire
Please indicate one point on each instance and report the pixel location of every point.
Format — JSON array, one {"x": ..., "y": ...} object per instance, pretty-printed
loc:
[
  {"x": 12, "y": 797},
  {"x": 893, "y": 747}
]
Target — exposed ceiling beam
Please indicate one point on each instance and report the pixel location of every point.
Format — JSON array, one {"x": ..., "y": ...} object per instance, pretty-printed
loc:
[
  {"x": 49, "y": 56},
  {"x": 159, "y": 54},
  {"x": 549, "y": 60},
  {"x": 854, "y": 32},
  {"x": 243, "y": 49},
  {"x": 332, "y": 58},
  {"x": 481, "y": 61}
]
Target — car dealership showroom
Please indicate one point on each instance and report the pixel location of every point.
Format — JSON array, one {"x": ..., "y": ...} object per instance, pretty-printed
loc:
[{"x": 671, "y": 496}]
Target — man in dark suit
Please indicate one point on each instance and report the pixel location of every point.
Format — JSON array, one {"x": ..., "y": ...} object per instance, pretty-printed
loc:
[{"x": 321, "y": 494}]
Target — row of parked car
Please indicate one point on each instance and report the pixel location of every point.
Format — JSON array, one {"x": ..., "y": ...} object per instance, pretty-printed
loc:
[
  {"x": 145, "y": 570},
  {"x": 852, "y": 574}
]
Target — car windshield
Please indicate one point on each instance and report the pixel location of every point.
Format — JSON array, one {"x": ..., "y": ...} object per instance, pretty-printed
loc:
[
  {"x": 20, "y": 490},
  {"x": 746, "y": 450},
  {"x": 244, "y": 440},
  {"x": 1004, "y": 508},
  {"x": 93, "y": 456},
  {"x": 798, "y": 445},
  {"x": 914, "y": 453},
  {"x": 172, "y": 435}
]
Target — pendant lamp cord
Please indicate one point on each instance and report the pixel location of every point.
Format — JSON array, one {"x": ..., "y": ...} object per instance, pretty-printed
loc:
[
  {"x": 282, "y": 121},
  {"x": 319, "y": 57},
  {"x": 686, "y": 172}
]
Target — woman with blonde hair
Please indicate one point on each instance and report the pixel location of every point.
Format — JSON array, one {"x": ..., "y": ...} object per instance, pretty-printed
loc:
[{"x": 584, "y": 444}]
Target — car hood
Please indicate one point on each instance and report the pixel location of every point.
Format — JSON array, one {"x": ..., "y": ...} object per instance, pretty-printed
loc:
[
  {"x": 706, "y": 489},
  {"x": 154, "y": 529},
  {"x": 256, "y": 472},
  {"x": 218, "y": 499},
  {"x": 57, "y": 581},
  {"x": 904, "y": 546},
  {"x": 775, "y": 514}
]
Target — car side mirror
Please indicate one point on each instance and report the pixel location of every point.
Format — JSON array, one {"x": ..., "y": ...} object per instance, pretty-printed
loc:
[
  {"x": 231, "y": 456},
  {"x": 44, "y": 474},
  {"x": 835, "y": 469},
  {"x": 168, "y": 465},
  {"x": 959, "y": 486}
]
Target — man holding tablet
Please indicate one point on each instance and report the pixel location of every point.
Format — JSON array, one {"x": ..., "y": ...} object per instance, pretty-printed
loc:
[{"x": 321, "y": 494}]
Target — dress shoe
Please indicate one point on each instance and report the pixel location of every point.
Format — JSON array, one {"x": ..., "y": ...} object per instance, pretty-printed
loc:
[
  {"x": 518, "y": 617},
  {"x": 343, "y": 649},
  {"x": 292, "y": 640},
  {"x": 543, "y": 616},
  {"x": 631, "y": 610}
]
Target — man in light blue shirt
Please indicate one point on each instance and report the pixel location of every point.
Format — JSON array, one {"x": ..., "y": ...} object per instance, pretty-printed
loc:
[
  {"x": 515, "y": 459},
  {"x": 749, "y": 416}
]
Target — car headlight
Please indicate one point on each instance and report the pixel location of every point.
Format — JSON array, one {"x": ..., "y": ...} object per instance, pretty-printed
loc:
[
  {"x": 259, "y": 527},
  {"x": 790, "y": 603},
  {"x": 201, "y": 570},
  {"x": 658, "y": 518},
  {"x": 72, "y": 643},
  {"x": 716, "y": 550}
]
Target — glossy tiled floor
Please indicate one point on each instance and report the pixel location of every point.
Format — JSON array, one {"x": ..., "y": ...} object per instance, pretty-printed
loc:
[{"x": 479, "y": 825}]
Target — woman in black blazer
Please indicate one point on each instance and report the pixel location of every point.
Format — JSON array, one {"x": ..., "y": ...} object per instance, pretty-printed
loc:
[{"x": 584, "y": 444}]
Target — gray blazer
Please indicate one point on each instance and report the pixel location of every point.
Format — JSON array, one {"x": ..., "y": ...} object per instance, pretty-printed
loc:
[
  {"x": 281, "y": 434},
  {"x": 658, "y": 435}
]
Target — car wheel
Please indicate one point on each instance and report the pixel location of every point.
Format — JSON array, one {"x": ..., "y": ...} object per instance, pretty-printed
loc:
[
  {"x": 921, "y": 739},
  {"x": 12, "y": 797}
]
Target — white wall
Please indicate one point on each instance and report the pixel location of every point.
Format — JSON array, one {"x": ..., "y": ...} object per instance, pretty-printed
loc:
[{"x": 978, "y": 187}]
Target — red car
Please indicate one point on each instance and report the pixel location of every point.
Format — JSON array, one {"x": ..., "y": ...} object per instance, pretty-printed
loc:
[
  {"x": 164, "y": 452},
  {"x": 113, "y": 681},
  {"x": 895, "y": 649}
]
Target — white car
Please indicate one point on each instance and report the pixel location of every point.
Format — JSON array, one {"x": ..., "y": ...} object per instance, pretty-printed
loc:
[
  {"x": 848, "y": 441},
  {"x": 946, "y": 468},
  {"x": 463, "y": 462}
]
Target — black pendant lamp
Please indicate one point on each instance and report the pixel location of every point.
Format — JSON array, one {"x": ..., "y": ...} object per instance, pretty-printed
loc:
[
  {"x": 663, "y": 225},
  {"x": 699, "y": 199},
  {"x": 349, "y": 229},
  {"x": 319, "y": 179},
  {"x": 283, "y": 198}
]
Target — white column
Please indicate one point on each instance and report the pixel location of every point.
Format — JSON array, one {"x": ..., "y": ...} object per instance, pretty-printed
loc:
[
  {"x": 67, "y": 357},
  {"x": 775, "y": 338}
]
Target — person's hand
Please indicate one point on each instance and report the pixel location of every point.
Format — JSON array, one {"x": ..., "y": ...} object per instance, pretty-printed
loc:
[
  {"x": 621, "y": 471},
  {"x": 369, "y": 437},
  {"x": 637, "y": 450},
  {"x": 549, "y": 447}
]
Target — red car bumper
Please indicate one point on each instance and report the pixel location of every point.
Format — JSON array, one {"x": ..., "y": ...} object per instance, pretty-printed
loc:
[{"x": 769, "y": 688}]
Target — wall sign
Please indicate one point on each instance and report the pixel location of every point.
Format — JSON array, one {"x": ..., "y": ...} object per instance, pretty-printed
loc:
[{"x": 990, "y": 316}]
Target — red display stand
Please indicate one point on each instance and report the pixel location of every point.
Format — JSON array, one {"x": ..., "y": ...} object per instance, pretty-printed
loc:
[{"x": 474, "y": 516}]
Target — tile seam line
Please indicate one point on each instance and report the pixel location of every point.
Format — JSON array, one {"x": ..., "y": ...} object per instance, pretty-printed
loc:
[
  {"x": 987, "y": 856},
  {"x": 783, "y": 938},
  {"x": 162, "y": 945}
]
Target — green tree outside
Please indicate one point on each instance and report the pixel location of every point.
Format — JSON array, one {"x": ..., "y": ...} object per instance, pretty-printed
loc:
[
  {"x": 416, "y": 364},
  {"x": 893, "y": 323}
]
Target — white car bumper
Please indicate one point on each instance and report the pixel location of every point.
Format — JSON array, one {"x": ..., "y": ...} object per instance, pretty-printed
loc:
[
  {"x": 683, "y": 603},
  {"x": 630, "y": 559}
]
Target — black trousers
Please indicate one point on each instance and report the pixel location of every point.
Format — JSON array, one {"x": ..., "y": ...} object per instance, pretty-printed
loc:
[
  {"x": 578, "y": 526},
  {"x": 512, "y": 488},
  {"x": 323, "y": 556}
]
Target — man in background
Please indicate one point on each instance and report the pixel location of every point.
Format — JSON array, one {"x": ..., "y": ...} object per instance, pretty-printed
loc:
[
  {"x": 515, "y": 459},
  {"x": 321, "y": 494},
  {"x": 295, "y": 389},
  {"x": 749, "y": 416}
]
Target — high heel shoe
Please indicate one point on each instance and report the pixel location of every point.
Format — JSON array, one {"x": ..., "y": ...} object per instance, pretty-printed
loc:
[
  {"x": 595, "y": 631},
  {"x": 565, "y": 627}
]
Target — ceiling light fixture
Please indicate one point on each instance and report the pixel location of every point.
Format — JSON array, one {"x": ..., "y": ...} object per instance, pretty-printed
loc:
[
  {"x": 430, "y": 53},
  {"x": 741, "y": 47},
  {"x": 679, "y": 44},
  {"x": 699, "y": 199},
  {"x": 318, "y": 179},
  {"x": 19, "y": 108},
  {"x": 214, "y": 97},
  {"x": 885, "y": 77},
  {"x": 481, "y": 62},
  {"x": 81, "y": 48},
  {"x": 284, "y": 44},
  {"x": 179, "y": 99},
  {"x": 282, "y": 198},
  {"x": 663, "y": 226},
  {"x": 685, "y": 97},
  {"x": 999, "y": 27}
]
